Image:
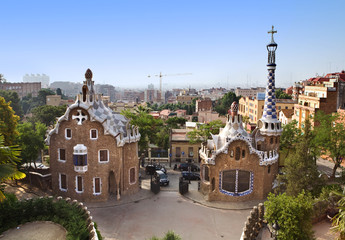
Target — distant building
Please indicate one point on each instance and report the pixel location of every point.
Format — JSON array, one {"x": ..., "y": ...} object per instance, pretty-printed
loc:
[
  {"x": 53, "y": 100},
  {"x": 203, "y": 105},
  {"x": 186, "y": 99},
  {"x": 248, "y": 92},
  {"x": 69, "y": 89},
  {"x": 32, "y": 78},
  {"x": 181, "y": 149},
  {"x": 209, "y": 115},
  {"x": 254, "y": 107},
  {"x": 93, "y": 151},
  {"x": 152, "y": 95},
  {"x": 321, "y": 94},
  {"x": 23, "y": 89},
  {"x": 285, "y": 116}
]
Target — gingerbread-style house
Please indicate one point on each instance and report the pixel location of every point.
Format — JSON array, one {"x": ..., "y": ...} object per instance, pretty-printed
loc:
[
  {"x": 93, "y": 151},
  {"x": 236, "y": 165}
]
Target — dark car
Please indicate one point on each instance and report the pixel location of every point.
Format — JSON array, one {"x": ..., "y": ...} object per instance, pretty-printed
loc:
[
  {"x": 151, "y": 169},
  {"x": 163, "y": 178},
  {"x": 190, "y": 175},
  {"x": 185, "y": 167}
]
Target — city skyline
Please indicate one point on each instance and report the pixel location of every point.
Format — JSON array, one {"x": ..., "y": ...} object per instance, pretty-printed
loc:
[{"x": 223, "y": 44}]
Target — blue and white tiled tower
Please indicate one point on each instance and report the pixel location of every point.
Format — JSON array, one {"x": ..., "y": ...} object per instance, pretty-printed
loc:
[{"x": 269, "y": 123}]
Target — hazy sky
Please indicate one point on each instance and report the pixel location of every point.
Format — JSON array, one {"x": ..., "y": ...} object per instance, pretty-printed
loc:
[{"x": 222, "y": 43}]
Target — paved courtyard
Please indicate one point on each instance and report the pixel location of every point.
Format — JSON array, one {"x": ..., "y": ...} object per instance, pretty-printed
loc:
[{"x": 168, "y": 211}]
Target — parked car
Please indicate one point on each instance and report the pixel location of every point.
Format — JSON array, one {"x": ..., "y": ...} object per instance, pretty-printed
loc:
[
  {"x": 185, "y": 166},
  {"x": 163, "y": 178},
  {"x": 190, "y": 175},
  {"x": 151, "y": 169}
]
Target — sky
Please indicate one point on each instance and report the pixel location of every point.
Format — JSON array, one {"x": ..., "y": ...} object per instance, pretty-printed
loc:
[{"x": 203, "y": 43}]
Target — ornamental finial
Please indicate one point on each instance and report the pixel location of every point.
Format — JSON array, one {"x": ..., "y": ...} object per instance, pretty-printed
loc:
[
  {"x": 88, "y": 74},
  {"x": 272, "y": 32}
]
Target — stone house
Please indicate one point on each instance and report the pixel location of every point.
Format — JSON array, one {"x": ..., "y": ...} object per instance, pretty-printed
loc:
[{"x": 93, "y": 151}]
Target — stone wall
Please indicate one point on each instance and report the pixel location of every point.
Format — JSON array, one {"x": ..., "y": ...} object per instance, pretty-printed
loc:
[{"x": 254, "y": 223}]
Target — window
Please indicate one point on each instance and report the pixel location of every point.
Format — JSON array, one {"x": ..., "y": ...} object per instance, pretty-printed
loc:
[
  {"x": 243, "y": 153},
  {"x": 206, "y": 173},
  {"x": 190, "y": 152},
  {"x": 97, "y": 186},
  {"x": 79, "y": 184},
  {"x": 103, "y": 156},
  {"x": 236, "y": 182},
  {"x": 132, "y": 175},
  {"x": 62, "y": 154},
  {"x": 63, "y": 182},
  {"x": 80, "y": 160},
  {"x": 269, "y": 169},
  {"x": 271, "y": 140},
  {"x": 213, "y": 184},
  {"x": 68, "y": 133},
  {"x": 178, "y": 152},
  {"x": 286, "y": 107},
  {"x": 237, "y": 153},
  {"x": 93, "y": 134}
]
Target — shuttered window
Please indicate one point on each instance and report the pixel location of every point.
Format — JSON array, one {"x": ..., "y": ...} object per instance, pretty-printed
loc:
[
  {"x": 132, "y": 175},
  {"x": 63, "y": 182},
  {"x": 97, "y": 186},
  {"x": 62, "y": 154},
  {"x": 79, "y": 184},
  {"x": 103, "y": 156}
]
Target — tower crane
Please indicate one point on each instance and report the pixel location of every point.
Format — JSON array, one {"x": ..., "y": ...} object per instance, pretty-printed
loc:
[{"x": 160, "y": 75}]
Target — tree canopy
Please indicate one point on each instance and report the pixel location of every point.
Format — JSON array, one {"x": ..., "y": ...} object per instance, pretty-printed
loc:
[
  {"x": 47, "y": 114},
  {"x": 222, "y": 105},
  {"x": 291, "y": 214},
  {"x": 330, "y": 137},
  {"x": 31, "y": 140},
  {"x": 300, "y": 171},
  {"x": 8, "y": 122},
  {"x": 148, "y": 125},
  {"x": 204, "y": 131},
  {"x": 9, "y": 158},
  {"x": 13, "y": 98},
  {"x": 282, "y": 95}
]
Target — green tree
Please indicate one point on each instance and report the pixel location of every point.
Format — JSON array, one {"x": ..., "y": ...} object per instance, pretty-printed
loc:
[
  {"x": 9, "y": 158},
  {"x": 300, "y": 171},
  {"x": 330, "y": 137},
  {"x": 2, "y": 78},
  {"x": 204, "y": 131},
  {"x": 58, "y": 91},
  {"x": 292, "y": 214},
  {"x": 289, "y": 138},
  {"x": 148, "y": 126},
  {"x": 338, "y": 221},
  {"x": 282, "y": 95},
  {"x": 42, "y": 96},
  {"x": 13, "y": 98},
  {"x": 47, "y": 114},
  {"x": 8, "y": 122},
  {"x": 31, "y": 140},
  {"x": 222, "y": 105}
]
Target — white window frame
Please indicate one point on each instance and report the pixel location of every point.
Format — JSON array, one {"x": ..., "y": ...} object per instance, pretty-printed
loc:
[
  {"x": 76, "y": 184},
  {"x": 91, "y": 134},
  {"x": 60, "y": 187},
  {"x": 60, "y": 160},
  {"x": 99, "y": 155},
  {"x": 94, "y": 186},
  {"x": 129, "y": 176},
  {"x": 68, "y": 138}
]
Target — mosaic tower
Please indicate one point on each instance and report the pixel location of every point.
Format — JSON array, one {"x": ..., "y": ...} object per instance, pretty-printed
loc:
[{"x": 269, "y": 123}]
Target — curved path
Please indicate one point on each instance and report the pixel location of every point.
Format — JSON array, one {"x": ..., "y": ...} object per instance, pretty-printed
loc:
[{"x": 36, "y": 231}]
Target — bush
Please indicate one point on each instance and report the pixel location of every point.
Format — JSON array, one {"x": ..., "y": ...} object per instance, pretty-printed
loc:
[
  {"x": 170, "y": 235},
  {"x": 292, "y": 214},
  {"x": 328, "y": 189},
  {"x": 71, "y": 217}
]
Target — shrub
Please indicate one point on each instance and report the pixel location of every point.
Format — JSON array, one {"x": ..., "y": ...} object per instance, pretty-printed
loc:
[{"x": 71, "y": 217}]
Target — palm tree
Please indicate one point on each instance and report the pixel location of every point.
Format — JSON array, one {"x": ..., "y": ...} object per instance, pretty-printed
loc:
[{"x": 9, "y": 158}]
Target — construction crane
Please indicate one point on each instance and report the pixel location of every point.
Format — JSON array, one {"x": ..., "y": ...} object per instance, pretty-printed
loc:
[{"x": 160, "y": 75}]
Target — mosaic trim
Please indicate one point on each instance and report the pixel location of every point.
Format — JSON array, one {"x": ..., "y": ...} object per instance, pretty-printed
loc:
[{"x": 237, "y": 194}]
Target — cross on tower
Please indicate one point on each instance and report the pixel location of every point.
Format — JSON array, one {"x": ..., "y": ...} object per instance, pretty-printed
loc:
[
  {"x": 80, "y": 117},
  {"x": 272, "y": 32}
]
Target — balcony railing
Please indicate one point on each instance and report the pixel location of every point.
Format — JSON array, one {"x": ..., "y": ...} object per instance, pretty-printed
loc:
[{"x": 80, "y": 169}]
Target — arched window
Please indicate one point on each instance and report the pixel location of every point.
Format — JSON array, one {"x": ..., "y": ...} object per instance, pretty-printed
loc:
[
  {"x": 243, "y": 153},
  {"x": 206, "y": 173},
  {"x": 237, "y": 153}
]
